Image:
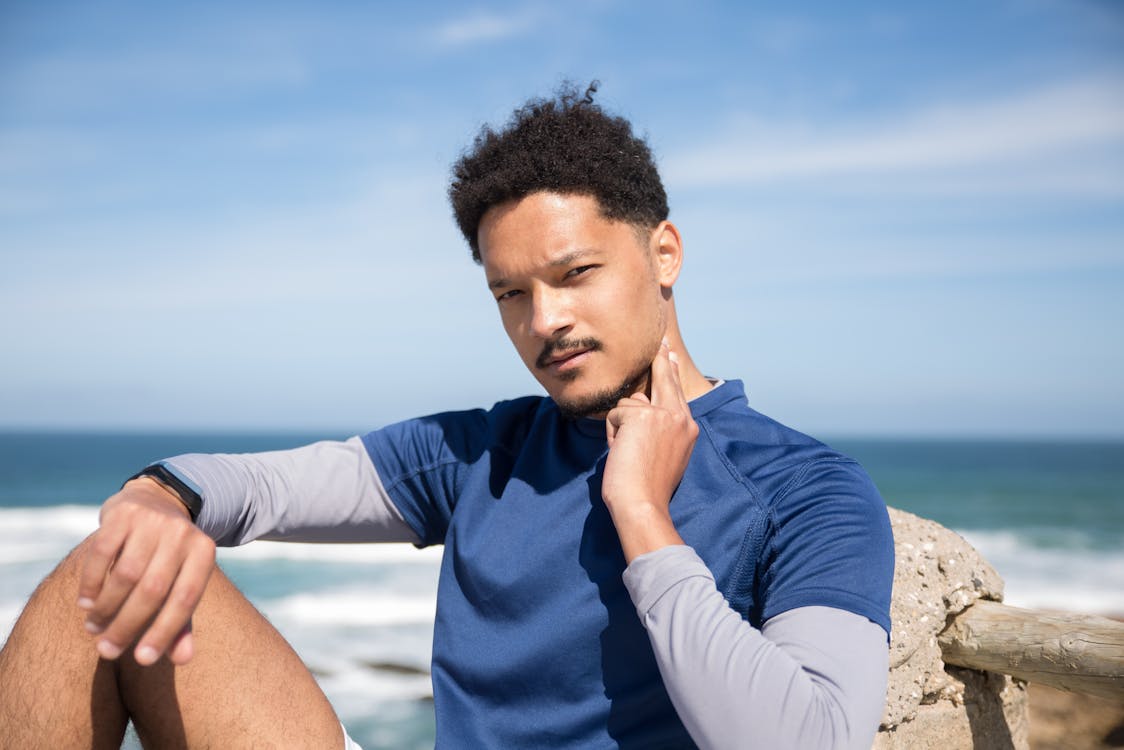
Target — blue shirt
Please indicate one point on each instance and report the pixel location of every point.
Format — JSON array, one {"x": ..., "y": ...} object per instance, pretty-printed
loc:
[{"x": 537, "y": 642}]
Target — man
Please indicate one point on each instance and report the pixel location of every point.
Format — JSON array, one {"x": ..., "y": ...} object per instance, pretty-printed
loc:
[{"x": 636, "y": 560}]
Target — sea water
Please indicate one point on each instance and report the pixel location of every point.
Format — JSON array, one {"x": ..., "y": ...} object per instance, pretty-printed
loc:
[{"x": 1048, "y": 515}]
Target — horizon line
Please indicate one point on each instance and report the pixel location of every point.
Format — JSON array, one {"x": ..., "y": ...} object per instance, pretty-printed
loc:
[{"x": 323, "y": 432}]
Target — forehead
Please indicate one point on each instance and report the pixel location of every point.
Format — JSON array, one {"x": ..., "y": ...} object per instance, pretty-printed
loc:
[{"x": 543, "y": 229}]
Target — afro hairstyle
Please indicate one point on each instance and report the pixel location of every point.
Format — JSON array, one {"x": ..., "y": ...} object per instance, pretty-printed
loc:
[{"x": 568, "y": 145}]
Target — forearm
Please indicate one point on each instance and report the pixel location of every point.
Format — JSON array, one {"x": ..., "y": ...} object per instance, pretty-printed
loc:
[
  {"x": 813, "y": 677},
  {"x": 327, "y": 491},
  {"x": 644, "y": 528}
]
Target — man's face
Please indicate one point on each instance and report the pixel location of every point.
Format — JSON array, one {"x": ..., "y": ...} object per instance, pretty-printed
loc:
[{"x": 579, "y": 295}]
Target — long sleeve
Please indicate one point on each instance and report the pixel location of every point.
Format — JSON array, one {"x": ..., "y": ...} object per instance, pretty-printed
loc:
[
  {"x": 813, "y": 677},
  {"x": 324, "y": 492}
]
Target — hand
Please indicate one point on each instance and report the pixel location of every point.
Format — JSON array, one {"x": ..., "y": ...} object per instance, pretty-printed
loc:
[
  {"x": 145, "y": 570},
  {"x": 650, "y": 443}
]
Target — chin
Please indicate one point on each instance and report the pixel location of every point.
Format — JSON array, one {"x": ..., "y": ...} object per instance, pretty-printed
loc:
[{"x": 596, "y": 402}]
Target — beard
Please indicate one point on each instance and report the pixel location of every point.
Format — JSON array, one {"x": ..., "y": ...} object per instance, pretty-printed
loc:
[
  {"x": 601, "y": 401},
  {"x": 604, "y": 400}
]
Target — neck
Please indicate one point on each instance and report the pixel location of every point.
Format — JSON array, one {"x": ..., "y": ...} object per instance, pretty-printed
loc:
[{"x": 694, "y": 382}]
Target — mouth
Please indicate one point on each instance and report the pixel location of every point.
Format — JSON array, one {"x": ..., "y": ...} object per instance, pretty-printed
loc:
[
  {"x": 562, "y": 356},
  {"x": 567, "y": 361}
]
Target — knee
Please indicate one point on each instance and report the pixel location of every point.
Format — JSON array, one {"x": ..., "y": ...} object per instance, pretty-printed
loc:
[
  {"x": 59, "y": 589},
  {"x": 68, "y": 571},
  {"x": 51, "y": 619}
]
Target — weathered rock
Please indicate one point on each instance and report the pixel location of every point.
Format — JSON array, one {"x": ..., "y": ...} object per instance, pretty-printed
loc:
[{"x": 928, "y": 705}]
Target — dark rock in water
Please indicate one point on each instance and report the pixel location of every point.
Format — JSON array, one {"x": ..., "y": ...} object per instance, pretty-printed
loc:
[
  {"x": 318, "y": 672},
  {"x": 395, "y": 668}
]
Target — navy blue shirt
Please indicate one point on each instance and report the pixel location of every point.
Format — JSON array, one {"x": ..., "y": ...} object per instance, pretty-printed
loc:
[{"x": 537, "y": 642}]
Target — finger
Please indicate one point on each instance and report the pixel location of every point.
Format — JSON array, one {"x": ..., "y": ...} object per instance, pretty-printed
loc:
[
  {"x": 137, "y": 584},
  {"x": 183, "y": 648},
  {"x": 124, "y": 573},
  {"x": 172, "y": 624},
  {"x": 103, "y": 550},
  {"x": 666, "y": 390},
  {"x": 673, "y": 359},
  {"x": 617, "y": 414},
  {"x": 614, "y": 418}
]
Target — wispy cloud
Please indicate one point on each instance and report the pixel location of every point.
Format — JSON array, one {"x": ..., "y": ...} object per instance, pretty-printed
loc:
[
  {"x": 26, "y": 149},
  {"x": 783, "y": 35},
  {"x": 1015, "y": 132},
  {"x": 87, "y": 83},
  {"x": 484, "y": 27}
]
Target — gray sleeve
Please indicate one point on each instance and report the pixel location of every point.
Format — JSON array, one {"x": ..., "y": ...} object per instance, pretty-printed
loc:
[
  {"x": 324, "y": 492},
  {"x": 813, "y": 677}
]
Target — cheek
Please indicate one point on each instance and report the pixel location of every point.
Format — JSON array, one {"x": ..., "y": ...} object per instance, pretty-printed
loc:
[
  {"x": 637, "y": 309},
  {"x": 525, "y": 346}
]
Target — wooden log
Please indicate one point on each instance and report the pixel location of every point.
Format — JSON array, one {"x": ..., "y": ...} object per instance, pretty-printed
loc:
[{"x": 1080, "y": 653}]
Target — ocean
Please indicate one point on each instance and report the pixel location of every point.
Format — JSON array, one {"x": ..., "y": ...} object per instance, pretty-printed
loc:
[{"x": 1048, "y": 515}]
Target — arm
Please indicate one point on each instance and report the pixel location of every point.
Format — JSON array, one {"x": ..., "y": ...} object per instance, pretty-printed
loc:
[
  {"x": 147, "y": 565},
  {"x": 811, "y": 677},
  {"x": 324, "y": 492}
]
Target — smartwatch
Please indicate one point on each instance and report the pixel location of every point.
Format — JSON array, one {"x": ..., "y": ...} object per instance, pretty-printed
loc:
[{"x": 161, "y": 473}]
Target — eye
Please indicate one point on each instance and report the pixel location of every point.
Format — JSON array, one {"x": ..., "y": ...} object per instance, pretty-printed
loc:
[
  {"x": 509, "y": 295},
  {"x": 573, "y": 272}
]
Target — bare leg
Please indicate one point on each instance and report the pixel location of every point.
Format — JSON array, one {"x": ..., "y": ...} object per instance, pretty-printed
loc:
[
  {"x": 52, "y": 683},
  {"x": 245, "y": 687}
]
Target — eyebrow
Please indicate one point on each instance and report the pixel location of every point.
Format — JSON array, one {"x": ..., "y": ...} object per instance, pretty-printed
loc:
[{"x": 562, "y": 260}]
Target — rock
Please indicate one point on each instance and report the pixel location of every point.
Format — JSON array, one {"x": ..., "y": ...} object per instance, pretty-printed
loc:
[{"x": 928, "y": 705}]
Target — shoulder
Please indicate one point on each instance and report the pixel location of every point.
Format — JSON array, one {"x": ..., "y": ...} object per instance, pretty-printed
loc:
[
  {"x": 821, "y": 534},
  {"x": 463, "y": 435},
  {"x": 425, "y": 463},
  {"x": 771, "y": 457}
]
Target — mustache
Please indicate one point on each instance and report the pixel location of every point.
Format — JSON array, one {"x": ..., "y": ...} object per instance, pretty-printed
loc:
[{"x": 560, "y": 346}]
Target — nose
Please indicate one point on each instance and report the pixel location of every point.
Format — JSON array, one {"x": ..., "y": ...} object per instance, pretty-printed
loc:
[{"x": 550, "y": 313}]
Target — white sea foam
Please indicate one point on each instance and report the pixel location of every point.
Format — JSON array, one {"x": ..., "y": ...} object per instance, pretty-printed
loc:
[
  {"x": 9, "y": 613},
  {"x": 353, "y": 608},
  {"x": 14, "y": 551},
  {"x": 77, "y": 520},
  {"x": 35, "y": 535},
  {"x": 345, "y": 553},
  {"x": 353, "y": 690},
  {"x": 1055, "y": 577},
  {"x": 32, "y": 534}
]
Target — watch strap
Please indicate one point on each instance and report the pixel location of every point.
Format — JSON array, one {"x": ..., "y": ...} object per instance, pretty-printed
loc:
[{"x": 188, "y": 496}]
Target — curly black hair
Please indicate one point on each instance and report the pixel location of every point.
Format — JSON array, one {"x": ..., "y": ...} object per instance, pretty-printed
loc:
[{"x": 567, "y": 144}]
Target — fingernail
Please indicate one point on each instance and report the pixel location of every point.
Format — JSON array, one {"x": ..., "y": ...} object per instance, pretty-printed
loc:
[
  {"x": 108, "y": 650},
  {"x": 665, "y": 342},
  {"x": 673, "y": 357},
  {"x": 146, "y": 655},
  {"x": 92, "y": 627},
  {"x": 85, "y": 602}
]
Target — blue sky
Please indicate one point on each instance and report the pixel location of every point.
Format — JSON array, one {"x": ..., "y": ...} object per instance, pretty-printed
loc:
[{"x": 899, "y": 218}]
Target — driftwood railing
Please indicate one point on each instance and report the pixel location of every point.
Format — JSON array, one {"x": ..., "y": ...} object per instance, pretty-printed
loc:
[{"x": 1080, "y": 653}]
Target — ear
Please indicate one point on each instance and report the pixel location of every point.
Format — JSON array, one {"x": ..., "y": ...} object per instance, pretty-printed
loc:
[{"x": 668, "y": 248}]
